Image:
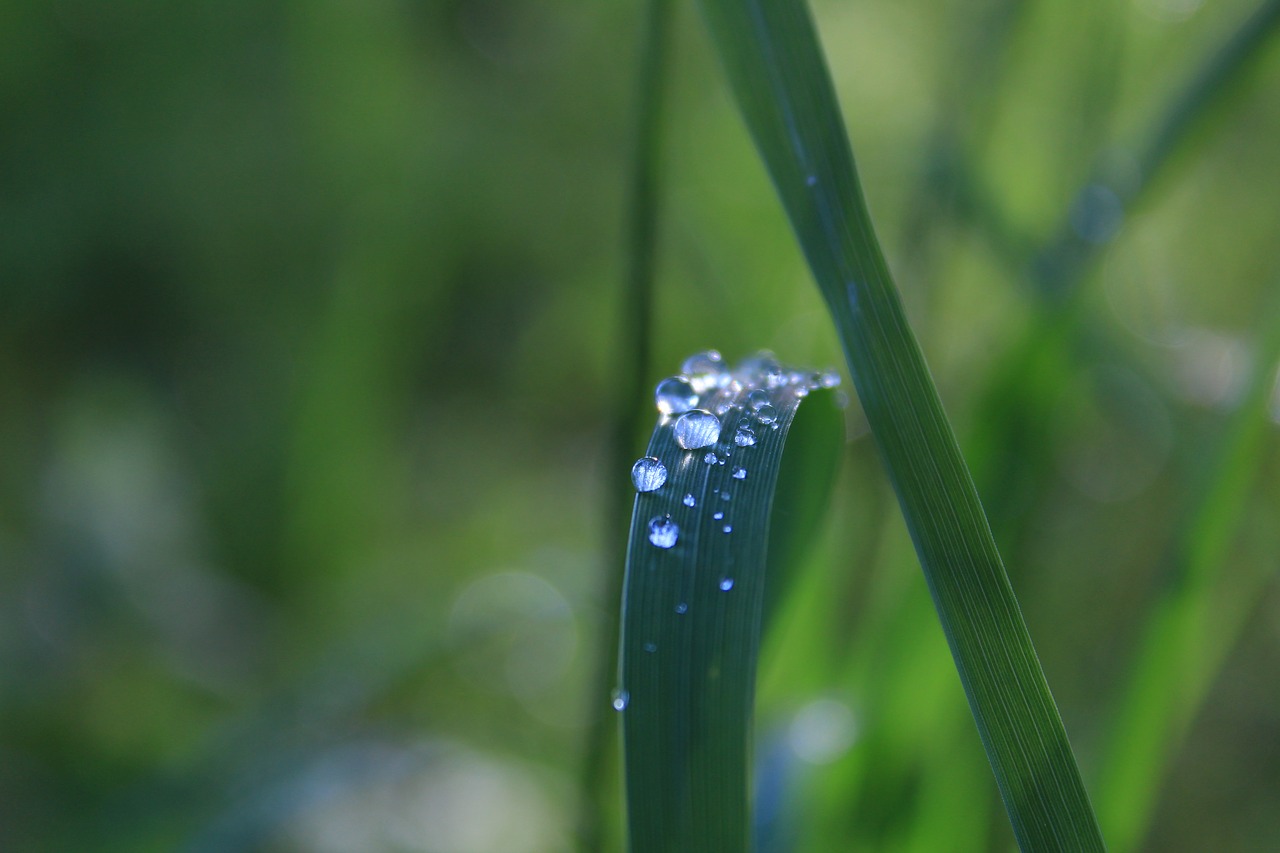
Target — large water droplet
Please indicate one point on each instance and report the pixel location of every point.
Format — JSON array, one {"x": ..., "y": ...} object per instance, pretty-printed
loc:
[
  {"x": 648, "y": 474},
  {"x": 766, "y": 414},
  {"x": 739, "y": 473},
  {"x": 621, "y": 698},
  {"x": 675, "y": 395},
  {"x": 698, "y": 428},
  {"x": 663, "y": 532},
  {"x": 689, "y": 500},
  {"x": 726, "y": 584},
  {"x": 744, "y": 437}
]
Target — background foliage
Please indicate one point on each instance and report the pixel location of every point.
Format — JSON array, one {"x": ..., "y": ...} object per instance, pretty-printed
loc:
[{"x": 307, "y": 325}]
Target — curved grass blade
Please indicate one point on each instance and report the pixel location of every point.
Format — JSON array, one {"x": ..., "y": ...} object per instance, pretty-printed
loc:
[
  {"x": 693, "y": 602},
  {"x": 771, "y": 55}
]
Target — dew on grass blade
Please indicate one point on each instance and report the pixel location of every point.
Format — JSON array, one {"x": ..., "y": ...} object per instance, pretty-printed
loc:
[
  {"x": 648, "y": 474},
  {"x": 675, "y": 395},
  {"x": 717, "y": 515},
  {"x": 689, "y": 499},
  {"x": 728, "y": 528},
  {"x": 739, "y": 473},
  {"x": 620, "y": 699},
  {"x": 758, "y": 398},
  {"x": 704, "y": 370},
  {"x": 726, "y": 584},
  {"x": 744, "y": 437},
  {"x": 710, "y": 459},
  {"x": 651, "y": 647},
  {"x": 682, "y": 608},
  {"x": 663, "y": 532},
  {"x": 698, "y": 428},
  {"x": 766, "y": 414}
]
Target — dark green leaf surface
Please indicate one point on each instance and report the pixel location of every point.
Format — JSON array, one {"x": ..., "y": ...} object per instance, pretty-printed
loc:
[
  {"x": 771, "y": 54},
  {"x": 692, "y": 616}
]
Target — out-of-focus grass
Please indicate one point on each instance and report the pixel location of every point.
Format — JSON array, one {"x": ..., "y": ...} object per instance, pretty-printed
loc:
[{"x": 306, "y": 314}]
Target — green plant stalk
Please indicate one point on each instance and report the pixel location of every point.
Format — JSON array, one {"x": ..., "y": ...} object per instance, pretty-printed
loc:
[
  {"x": 1195, "y": 621},
  {"x": 634, "y": 324},
  {"x": 771, "y": 55}
]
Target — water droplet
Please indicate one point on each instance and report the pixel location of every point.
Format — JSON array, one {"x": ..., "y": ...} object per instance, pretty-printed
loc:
[
  {"x": 829, "y": 379},
  {"x": 717, "y": 516},
  {"x": 698, "y": 428},
  {"x": 724, "y": 496},
  {"x": 650, "y": 647},
  {"x": 704, "y": 370},
  {"x": 675, "y": 395},
  {"x": 764, "y": 364},
  {"x": 663, "y": 532},
  {"x": 766, "y": 414},
  {"x": 620, "y": 699},
  {"x": 688, "y": 500},
  {"x": 739, "y": 473},
  {"x": 728, "y": 528},
  {"x": 723, "y": 408},
  {"x": 682, "y": 608},
  {"x": 758, "y": 398},
  {"x": 648, "y": 474},
  {"x": 710, "y": 459},
  {"x": 744, "y": 437},
  {"x": 726, "y": 584}
]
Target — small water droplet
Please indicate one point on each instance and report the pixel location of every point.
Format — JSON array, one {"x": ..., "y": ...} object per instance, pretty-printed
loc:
[
  {"x": 689, "y": 500},
  {"x": 717, "y": 516},
  {"x": 811, "y": 180},
  {"x": 697, "y": 428},
  {"x": 710, "y": 459},
  {"x": 682, "y": 608},
  {"x": 744, "y": 437},
  {"x": 739, "y": 473},
  {"x": 728, "y": 528},
  {"x": 704, "y": 370},
  {"x": 650, "y": 647},
  {"x": 621, "y": 699},
  {"x": 758, "y": 398},
  {"x": 663, "y": 532},
  {"x": 724, "y": 496},
  {"x": 675, "y": 395},
  {"x": 723, "y": 408},
  {"x": 829, "y": 379},
  {"x": 648, "y": 474},
  {"x": 726, "y": 584},
  {"x": 766, "y": 414}
]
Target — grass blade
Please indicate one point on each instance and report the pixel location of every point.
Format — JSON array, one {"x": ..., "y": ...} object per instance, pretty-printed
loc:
[
  {"x": 1196, "y": 619},
  {"x": 692, "y": 613},
  {"x": 771, "y": 55}
]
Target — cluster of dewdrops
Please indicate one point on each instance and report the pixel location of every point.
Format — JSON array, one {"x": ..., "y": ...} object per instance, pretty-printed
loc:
[{"x": 698, "y": 405}]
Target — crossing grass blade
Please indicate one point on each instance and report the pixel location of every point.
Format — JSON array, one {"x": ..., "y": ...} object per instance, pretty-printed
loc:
[
  {"x": 692, "y": 615},
  {"x": 770, "y": 52}
]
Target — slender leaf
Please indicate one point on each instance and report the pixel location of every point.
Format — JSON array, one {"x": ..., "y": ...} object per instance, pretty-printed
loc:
[
  {"x": 771, "y": 54},
  {"x": 1197, "y": 617},
  {"x": 692, "y": 611}
]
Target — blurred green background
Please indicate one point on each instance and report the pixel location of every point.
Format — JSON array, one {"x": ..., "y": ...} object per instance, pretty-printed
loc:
[{"x": 308, "y": 343}]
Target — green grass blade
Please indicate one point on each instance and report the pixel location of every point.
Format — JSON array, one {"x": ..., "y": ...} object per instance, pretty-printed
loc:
[
  {"x": 1196, "y": 619},
  {"x": 692, "y": 614},
  {"x": 772, "y": 57}
]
